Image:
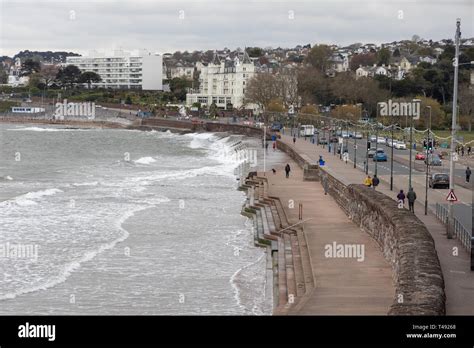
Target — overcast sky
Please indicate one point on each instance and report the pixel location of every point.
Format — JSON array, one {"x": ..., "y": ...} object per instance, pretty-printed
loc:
[{"x": 170, "y": 25}]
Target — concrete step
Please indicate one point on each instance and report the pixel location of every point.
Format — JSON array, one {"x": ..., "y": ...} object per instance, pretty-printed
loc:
[
  {"x": 282, "y": 283},
  {"x": 276, "y": 216},
  {"x": 305, "y": 261},
  {"x": 281, "y": 212},
  {"x": 298, "y": 267},
  {"x": 290, "y": 271},
  {"x": 271, "y": 219}
]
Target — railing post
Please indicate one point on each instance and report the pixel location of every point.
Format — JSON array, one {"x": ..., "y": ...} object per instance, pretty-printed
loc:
[{"x": 472, "y": 253}]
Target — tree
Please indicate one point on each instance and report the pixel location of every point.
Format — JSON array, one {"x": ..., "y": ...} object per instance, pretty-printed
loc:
[
  {"x": 261, "y": 90},
  {"x": 309, "y": 109},
  {"x": 254, "y": 51},
  {"x": 89, "y": 77},
  {"x": 438, "y": 116},
  {"x": 313, "y": 86},
  {"x": 466, "y": 106},
  {"x": 365, "y": 59},
  {"x": 179, "y": 87},
  {"x": 344, "y": 87},
  {"x": 348, "y": 112},
  {"x": 29, "y": 66},
  {"x": 48, "y": 74},
  {"x": 383, "y": 56},
  {"x": 128, "y": 100},
  {"x": 370, "y": 94},
  {"x": 276, "y": 105},
  {"x": 319, "y": 57},
  {"x": 3, "y": 76},
  {"x": 68, "y": 76}
]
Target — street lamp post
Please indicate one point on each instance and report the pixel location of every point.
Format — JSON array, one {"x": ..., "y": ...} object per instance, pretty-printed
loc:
[
  {"x": 391, "y": 157},
  {"x": 376, "y": 145},
  {"x": 341, "y": 144},
  {"x": 347, "y": 139},
  {"x": 411, "y": 150},
  {"x": 427, "y": 162},
  {"x": 367, "y": 152},
  {"x": 355, "y": 146},
  {"x": 453, "y": 129}
]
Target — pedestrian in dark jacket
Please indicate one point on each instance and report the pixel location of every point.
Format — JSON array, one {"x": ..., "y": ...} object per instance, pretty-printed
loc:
[
  {"x": 401, "y": 197},
  {"x": 294, "y": 139},
  {"x": 411, "y": 196},
  {"x": 287, "y": 170},
  {"x": 375, "y": 181},
  {"x": 468, "y": 174}
]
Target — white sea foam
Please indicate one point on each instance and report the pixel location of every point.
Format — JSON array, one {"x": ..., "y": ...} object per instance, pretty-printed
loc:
[
  {"x": 93, "y": 183},
  {"x": 145, "y": 160},
  {"x": 30, "y": 198},
  {"x": 72, "y": 266},
  {"x": 40, "y": 129}
]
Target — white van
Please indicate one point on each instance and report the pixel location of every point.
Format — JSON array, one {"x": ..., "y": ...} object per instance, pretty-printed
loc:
[{"x": 306, "y": 131}]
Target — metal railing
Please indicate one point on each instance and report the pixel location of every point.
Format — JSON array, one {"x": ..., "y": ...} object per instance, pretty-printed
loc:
[{"x": 460, "y": 231}]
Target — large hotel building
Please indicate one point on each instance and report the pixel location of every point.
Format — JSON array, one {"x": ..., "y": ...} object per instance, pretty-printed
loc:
[
  {"x": 122, "y": 69},
  {"x": 223, "y": 83}
]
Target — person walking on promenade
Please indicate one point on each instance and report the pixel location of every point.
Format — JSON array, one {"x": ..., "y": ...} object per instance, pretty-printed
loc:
[
  {"x": 468, "y": 174},
  {"x": 325, "y": 184},
  {"x": 411, "y": 196},
  {"x": 401, "y": 197},
  {"x": 287, "y": 170},
  {"x": 294, "y": 139},
  {"x": 375, "y": 182},
  {"x": 462, "y": 151},
  {"x": 368, "y": 181},
  {"x": 469, "y": 150}
]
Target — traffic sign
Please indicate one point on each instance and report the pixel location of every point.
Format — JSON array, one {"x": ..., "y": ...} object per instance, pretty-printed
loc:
[{"x": 451, "y": 197}]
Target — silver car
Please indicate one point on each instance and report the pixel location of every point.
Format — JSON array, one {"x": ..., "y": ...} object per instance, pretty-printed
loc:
[{"x": 371, "y": 152}]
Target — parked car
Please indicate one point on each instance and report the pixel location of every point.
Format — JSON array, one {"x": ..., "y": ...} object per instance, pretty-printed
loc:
[
  {"x": 433, "y": 160},
  {"x": 358, "y": 135},
  {"x": 381, "y": 140},
  {"x": 322, "y": 141},
  {"x": 420, "y": 156},
  {"x": 371, "y": 152},
  {"x": 344, "y": 134},
  {"x": 399, "y": 145},
  {"x": 439, "y": 180},
  {"x": 380, "y": 156},
  {"x": 372, "y": 138},
  {"x": 334, "y": 139}
]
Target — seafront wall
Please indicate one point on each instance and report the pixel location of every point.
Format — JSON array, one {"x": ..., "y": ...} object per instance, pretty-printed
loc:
[{"x": 402, "y": 237}]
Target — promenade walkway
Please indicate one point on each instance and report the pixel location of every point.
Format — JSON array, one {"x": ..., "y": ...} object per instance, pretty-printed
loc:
[
  {"x": 459, "y": 280},
  {"x": 343, "y": 286}
]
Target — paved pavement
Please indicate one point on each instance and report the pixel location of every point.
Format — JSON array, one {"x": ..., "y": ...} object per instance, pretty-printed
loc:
[
  {"x": 456, "y": 266},
  {"x": 343, "y": 286}
]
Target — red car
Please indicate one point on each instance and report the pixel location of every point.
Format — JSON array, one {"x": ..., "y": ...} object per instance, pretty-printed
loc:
[{"x": 420, "y": 156}]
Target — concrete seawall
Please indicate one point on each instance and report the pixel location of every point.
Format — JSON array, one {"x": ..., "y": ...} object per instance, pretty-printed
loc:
[{"x": 402, "y": 237}]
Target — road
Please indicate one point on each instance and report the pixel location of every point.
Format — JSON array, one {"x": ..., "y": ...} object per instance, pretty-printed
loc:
[{"x": 462, "y": 209}]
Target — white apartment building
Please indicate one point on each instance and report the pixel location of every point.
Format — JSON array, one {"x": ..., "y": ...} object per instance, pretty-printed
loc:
[
  {"x": 223, "y": 83},
  {"x": 14, "y": 78},
  {"x": 124, "y": 70}
]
